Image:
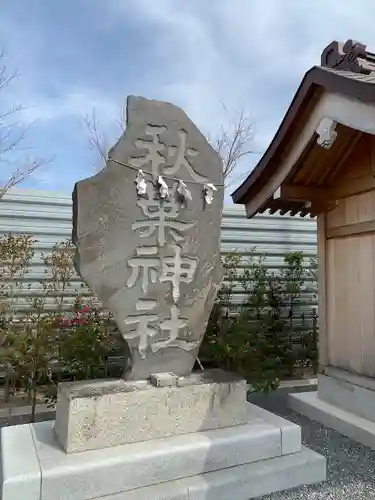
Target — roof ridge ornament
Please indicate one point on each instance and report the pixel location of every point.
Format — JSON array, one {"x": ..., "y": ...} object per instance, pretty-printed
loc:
[{"x": 348, "y": 56}]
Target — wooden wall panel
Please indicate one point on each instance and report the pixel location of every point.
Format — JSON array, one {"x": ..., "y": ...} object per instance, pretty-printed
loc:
[
  {"x": 358, "y": 163},
  {"x": 350, "y": 269},
  {"x": 351, "y": 303},
  {"x": 358, "y": 171},
  {"x": 353, "y": 210}
]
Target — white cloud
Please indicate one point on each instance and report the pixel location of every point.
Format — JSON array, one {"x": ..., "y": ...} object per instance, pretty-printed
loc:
[
  {"x": 253, "y": 53},
  {"x": 233, "y": 47},
  {"x": 75, "y": 103}
]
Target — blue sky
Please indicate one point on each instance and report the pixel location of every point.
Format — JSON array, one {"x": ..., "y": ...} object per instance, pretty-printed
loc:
[{"x": 78, "y": 55}]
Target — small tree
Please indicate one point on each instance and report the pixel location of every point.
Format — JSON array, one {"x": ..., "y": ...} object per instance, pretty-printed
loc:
[
  {"x": 294, "y": 277},
  {"x": 58, "y": 273},
  {"x": 31, "y": 347},
  {"x": 258, "y": 340},
  {"x": 31, "y": 335},
  {"x": 230, "y": 263},
  {"x": 16, "y": 253},
  {"x": 86, "y": 342},
  {"x": 221, "y": 320}
]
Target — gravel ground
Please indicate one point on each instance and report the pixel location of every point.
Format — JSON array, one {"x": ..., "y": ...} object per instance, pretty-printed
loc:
[{"x": 350, "y": 466}]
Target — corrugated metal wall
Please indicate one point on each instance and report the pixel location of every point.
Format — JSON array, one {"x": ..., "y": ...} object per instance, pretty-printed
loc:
[
  {"x": 273, "y": 235},
  {"x": 47, "y": 216}
]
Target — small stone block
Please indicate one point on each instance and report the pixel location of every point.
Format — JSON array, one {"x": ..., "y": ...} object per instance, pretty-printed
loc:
[
  {"x": 91, "y": 415},
  {"x": 163, "y": 379}
]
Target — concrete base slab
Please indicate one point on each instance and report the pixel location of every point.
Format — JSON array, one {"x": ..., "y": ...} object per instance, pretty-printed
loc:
[
  {"x": 184, "y": 465},
  {"x": 20, "y": 469},
  {"x": 137, "y": 465},
  {"x": 347, "y": 423},
  {"x": 290, "y": 433},
  {"x": 238, "y": 483}
]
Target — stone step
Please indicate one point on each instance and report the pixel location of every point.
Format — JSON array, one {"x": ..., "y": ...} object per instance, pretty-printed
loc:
[
  {"x": 35, "y": 467},
  {"x": 238, "y": 483},
  {"x": 353, "y": 426},
  {"x": 348, "y": 396},
  {"x": 141, "y": 464}
]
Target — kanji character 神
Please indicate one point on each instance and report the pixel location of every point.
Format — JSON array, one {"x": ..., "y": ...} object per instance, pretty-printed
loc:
[{"x": 177, "y": 269}]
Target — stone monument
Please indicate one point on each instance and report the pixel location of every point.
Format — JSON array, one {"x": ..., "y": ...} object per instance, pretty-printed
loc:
[{"x": 147, "y": 234}]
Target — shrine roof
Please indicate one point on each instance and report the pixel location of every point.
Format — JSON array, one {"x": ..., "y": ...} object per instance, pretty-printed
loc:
[{"x": 346, "y": 69}]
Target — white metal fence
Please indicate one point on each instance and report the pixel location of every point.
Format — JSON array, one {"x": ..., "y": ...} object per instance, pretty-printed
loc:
[{"x": 47, "y": 216}]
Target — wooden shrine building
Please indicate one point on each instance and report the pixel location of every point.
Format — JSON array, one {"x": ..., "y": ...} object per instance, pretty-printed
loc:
[{"x": 321, "y": 163}]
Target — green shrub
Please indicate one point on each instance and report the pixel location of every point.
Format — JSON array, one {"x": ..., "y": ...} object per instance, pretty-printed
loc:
[
  {"x": 86, "y": 342},
  {"x": 42, "y": 345},
  {"x": 257, "y": 338}
]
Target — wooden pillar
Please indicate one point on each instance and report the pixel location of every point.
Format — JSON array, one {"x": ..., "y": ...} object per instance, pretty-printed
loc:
[{"x": 322, "y": 291}]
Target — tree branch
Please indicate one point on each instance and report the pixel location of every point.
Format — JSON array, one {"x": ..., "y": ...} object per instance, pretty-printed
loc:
[
  {"x": 96, "y": 139},
  {"x": 233, "y": 141},
  {"x": 12, "y": 135}
]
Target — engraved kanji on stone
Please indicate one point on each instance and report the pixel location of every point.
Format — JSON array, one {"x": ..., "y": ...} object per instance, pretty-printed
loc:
[
  {"x": 144, "y": 327},
  {"x": 148, "y": 241},
  {"x": 174, "y": 325},
  {"x": 181, "y": 154},
  {"x": 154, "y": 148},
  {"x": 146, "y": 264},
  {"x": 161, "y": 216},
  {"x": 177, "y": 269},
  {"x": 103, "y": 227}
]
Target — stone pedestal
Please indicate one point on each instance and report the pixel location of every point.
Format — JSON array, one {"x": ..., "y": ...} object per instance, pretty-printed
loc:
[
  {"x": 99, "y": 414},
  {"x": 198, "y": 439},
  {"x": 344, "y": 402}
]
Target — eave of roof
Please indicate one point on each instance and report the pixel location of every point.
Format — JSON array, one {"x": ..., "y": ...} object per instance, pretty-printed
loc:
[{"x": 357, "y": 84}]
